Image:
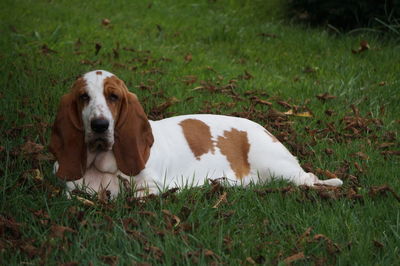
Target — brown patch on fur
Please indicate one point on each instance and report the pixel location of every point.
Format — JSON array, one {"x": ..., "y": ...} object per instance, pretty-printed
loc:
[
  {"x": 274, "y": 139},
  {"x": 133, "y": 137},
  {"x": 198, "y": 136},
  {"x": 112, "y": 87},
  {"x": 99, "y": 73},
  {"x": 67, "y": 138},
  {"x": 235, "y": 146}
]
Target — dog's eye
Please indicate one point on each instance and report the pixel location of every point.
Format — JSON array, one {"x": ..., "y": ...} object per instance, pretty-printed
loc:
[
  {"x": 84, "y": 97},
  {"x": 113, "y": 97}
]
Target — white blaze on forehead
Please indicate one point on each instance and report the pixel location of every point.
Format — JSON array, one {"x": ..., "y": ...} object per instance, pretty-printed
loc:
[
  {"x": 97, "y": 106},
  {"x": 96, "y": 78},
  {"x": 95, "y": 90}
]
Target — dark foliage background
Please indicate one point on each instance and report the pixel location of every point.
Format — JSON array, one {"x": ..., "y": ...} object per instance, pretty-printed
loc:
[{"x": 348, "y": 14}]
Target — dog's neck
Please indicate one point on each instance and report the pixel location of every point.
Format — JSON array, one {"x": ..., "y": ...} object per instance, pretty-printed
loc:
[{"x": 103, "y": 161}]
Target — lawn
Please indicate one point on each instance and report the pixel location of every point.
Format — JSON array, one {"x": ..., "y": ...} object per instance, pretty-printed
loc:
[{"x": 330, "y": 98}]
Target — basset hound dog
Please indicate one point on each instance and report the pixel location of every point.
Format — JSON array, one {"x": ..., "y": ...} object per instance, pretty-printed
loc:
[{"x": 101, "y": 135}]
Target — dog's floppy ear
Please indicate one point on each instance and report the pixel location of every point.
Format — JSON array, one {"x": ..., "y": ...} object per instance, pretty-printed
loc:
[
  {"x": 133, "y": 137},
  {"x": 67, "y": 138}
]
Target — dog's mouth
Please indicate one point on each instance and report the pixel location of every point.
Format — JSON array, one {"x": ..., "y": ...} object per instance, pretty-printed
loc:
[{"x": 99, "y": 144}]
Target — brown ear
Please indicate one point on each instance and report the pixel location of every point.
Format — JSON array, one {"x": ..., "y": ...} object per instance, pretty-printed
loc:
[
  {"x": 68, "y": 141},
  {"x": 132, "y": 137}
]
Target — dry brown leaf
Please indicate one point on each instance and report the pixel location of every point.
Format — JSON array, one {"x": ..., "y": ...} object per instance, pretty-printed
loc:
[
  {"x": 295, "y": 257},
  {"x": 188, "y": 58},
  {"x": 147, "y": 213},
  {"x": 159, "y": 109},
  {"x": 325, "y": 96},
  {"x": 305, "y": 235},
  {"x": 257, "y": 100},
  {"x": 129, "y": 222},
  {"x": 358, "y": 167},
  {"x": 378, "y": 244},
  {"x": 30, "y": 147},
  {"x": 386, "y": 145},
  {"x": 171, "y": 220},
  {"x": 110, "y": 260},
  {"x": 59, "y": 230},
  {"x": 70, "y": 263},
  {"x": 381, "y": 190},
  {"x": 363, "y": 47},
  {"x": 270, "y": 35},
  {"x": 250, "y": 261},
  {"x": 85, "y": 202},
  {"x": 97, "y": 48},
  {"x": 390, "y": 153},
  {"x": 303, "y": 114},
  {"x": 103, "y": 195},
  {"x": 221, "y": 199},
  {"x": 105, "y": 21},
  {"x": 361, "y": 155}
]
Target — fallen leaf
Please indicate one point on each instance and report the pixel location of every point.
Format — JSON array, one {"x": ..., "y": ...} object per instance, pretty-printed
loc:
[
  {"x": 363, "y": 47},
  {"x": 170, "y": 219},
  {"x": 110, "y": 260},
  {"x": 378, "y": 244},
  {"x": 246, "y": 75},
  {"x": 284, "y": 104},
  {"x": 358, "y": 167},
  {"x": 30, "y": 147},
  {"x": 331, "y": 246},
  {"x": 155, "y": 252},
  {"x": 303, "y": 114},
  {"x": 159, "y": 109},
  {"x": 390, "y": 153},
  {"x": 29, "y": 249},
  {"x": 361, "y": 155},
  {"x": 85, "y": 202},
  {"x": 293, "y": 258},
  {"x": 325, "y": 96},
  {"x": 105, "y": 21},
  {"x": 381, "y": 190},
  {"x": 129, "y": 222},
  {"x": 305, "y": 235},
  {"x": 188, "y": 58},
  {"x": 270, "y": 35},
  {"x": 46, "y": 50},
  {"x": 70, "y": 263},
  {"x": 310, "y": 69},
  {"x": 59, "y": 230},
  {"x": 221, "y": 199},
  {"x": 386, "y": 145},
  {"x": 103, "y": 195},
  {"x": 328, "y": 151},
  {"x": 97, "y": 48},
  {"x": 147, "y": 213},
  {"x": 33, "y": 174},
  {"x": 9, "y": 225},
  {"x": 250, "y": 261},
  {"x": 257, "y": 100},
  {"x": 329, "y": 112}
]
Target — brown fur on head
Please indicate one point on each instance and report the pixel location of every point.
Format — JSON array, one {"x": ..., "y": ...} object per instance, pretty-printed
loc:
[
  {"x": 131, "y": 138},
  {"x": 67, "y": 138}
]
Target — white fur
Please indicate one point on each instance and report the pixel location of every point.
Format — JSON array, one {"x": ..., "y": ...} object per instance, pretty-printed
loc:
[
  {"x": 97, "y": 106},
  {"x": 173, "y": 164}
]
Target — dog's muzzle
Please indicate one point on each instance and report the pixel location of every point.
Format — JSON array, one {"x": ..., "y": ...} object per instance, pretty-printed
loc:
[{"x": 99, "y": 141}]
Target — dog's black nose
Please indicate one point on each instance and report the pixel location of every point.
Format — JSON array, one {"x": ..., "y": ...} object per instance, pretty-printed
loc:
[{"x": 99, "y": 125}]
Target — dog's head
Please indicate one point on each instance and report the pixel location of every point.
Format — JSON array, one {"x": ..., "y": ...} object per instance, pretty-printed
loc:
[{"x": 97, "y": 115}]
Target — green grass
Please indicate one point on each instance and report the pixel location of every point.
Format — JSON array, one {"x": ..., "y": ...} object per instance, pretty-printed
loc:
[{"x": 223, "y": 39}]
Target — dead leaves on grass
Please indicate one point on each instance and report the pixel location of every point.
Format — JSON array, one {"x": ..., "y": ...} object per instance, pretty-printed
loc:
[
  {"x": 306, "y": 193},
  {"x": 364, "y": 46}
]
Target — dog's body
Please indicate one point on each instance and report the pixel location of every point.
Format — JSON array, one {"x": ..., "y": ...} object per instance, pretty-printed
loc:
[{"x": 115, "y": 141}]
